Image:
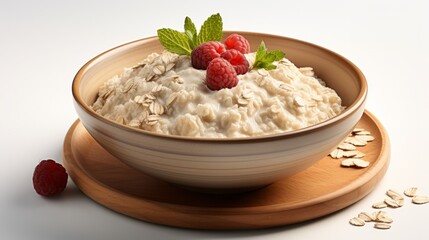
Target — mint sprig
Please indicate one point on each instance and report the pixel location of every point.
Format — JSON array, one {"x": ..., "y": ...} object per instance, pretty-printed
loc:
[
  {"x": 264, "y": 58},
  {"x": 183, "y": 43},
  {"x": 174, "y": 41},
  {"x": 211, "y": 30}
]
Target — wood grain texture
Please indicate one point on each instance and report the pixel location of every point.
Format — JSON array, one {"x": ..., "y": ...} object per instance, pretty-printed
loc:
[{"x": 319, "y": 190}]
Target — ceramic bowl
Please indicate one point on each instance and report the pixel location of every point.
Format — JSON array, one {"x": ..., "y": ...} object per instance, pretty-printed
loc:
[{"x": 222, "y": 165}]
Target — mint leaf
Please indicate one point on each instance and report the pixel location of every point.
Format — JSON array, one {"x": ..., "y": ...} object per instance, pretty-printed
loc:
[
  {"x": 279, "y": 55},
  {"x": 190, "y": 26},
  {"x": 174, "y": 41},
  {"x": 191, "y": 32},
  {"x": 264, "y": 58},
  {"x": 260, "y": 53},
  {"x": 211, "y": 30},
  {"x": 270, "y": 67},
  {"x": 191, "y": 38}
]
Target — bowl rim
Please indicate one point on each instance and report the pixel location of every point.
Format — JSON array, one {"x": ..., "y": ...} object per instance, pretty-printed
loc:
[{"x": 362, "y": 95}]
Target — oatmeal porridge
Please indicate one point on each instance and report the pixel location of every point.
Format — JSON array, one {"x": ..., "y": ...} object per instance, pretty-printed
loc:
[{"x": 165, "y": 94}]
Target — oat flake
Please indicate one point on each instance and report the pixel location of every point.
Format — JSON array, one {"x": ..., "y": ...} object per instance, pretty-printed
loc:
[
  {"x": 382, "y": 226},
  {"x": 410, "y": 192},
  {"x": 420, "y": 199},
  {"x": 357, "y": 222}
]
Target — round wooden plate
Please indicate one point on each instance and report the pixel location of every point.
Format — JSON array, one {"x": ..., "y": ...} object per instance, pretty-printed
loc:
[{"x": 324, "y": 188}]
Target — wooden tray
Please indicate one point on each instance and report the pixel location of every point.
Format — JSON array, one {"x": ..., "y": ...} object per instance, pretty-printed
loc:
[{"x": 321, "y": 189}]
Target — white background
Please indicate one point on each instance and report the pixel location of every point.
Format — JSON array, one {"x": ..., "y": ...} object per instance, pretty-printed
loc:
[{"x": 44, "y": 43}]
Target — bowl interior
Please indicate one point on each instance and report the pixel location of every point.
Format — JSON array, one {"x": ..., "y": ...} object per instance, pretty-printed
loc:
[
  {"x": 108, "y": 64},
  {"x": 339, "y": 73}
]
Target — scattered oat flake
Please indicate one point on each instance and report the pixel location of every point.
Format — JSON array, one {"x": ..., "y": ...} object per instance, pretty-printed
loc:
[
  {"x": 379, "y": 205},
  {"x": 355, "y": 141},
  {"x": 347, "y": 163},
  {"x": 360, "y": 162},
  {"x": 394, "y": 194},
  {"x": 337, "y": 153},
  {"x": 347, "y": 146},
  {"x": 349, "y": 153},
  {"x": 367, "y": 217},
  {"x": 348, "y": 150},
  {"x": 356, "y": 130},
  {"x": 366, "y": 138},
  {"x": 374, "y": 215},
  {"x": 395, "y": 199},
  {"x": 357, "y": 222},
  {"x": 382, "y": 226},
  {"x": 410, "y": 192},
  {"x": 420, "y": 199},
  {"x": 363, "y": 132},
  {"x": 381, "y": 216},
  {"x": 400, "y": 202},
  {"x": 391, "y": 203},
  {"x": 359, "y": 154}
]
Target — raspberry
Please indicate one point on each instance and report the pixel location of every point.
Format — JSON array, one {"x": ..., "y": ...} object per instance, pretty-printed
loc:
[
  {"x": 204, "y": 53},
  {"x": 49, "y": 178},
  {"x": 237, "y": 60},
  {"x": 220, "y": 74},
  {"x": 237, "y": 42}
]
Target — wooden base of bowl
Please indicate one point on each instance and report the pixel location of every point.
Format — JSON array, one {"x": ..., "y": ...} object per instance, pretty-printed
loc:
[{"x": 324, "y": 188}]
